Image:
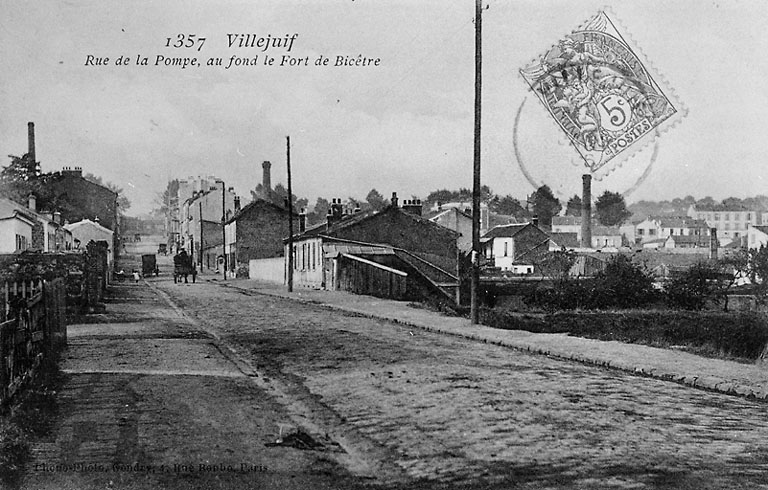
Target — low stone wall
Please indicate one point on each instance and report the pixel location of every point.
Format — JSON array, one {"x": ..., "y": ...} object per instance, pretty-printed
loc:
[{"x": 269, "y": 270}]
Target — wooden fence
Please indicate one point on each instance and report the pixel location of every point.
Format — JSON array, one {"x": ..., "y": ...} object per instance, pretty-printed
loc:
[{"x": 32, "y": 330}]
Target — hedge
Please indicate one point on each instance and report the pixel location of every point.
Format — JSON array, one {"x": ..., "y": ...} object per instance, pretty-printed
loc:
[{"x": 741, "y": 335}]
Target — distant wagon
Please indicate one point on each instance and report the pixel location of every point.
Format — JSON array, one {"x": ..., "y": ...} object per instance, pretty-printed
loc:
[
  {"x": 149, "y": 265},
  {"x": 182, "y": 267}
]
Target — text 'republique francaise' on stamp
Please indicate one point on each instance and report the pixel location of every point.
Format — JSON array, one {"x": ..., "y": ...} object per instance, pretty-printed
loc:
[{"x": 602, "y": 94}]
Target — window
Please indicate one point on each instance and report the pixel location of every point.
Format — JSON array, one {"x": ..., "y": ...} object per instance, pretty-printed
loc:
[
  {"x": 506, "y": 249},
  {"x": 717, "y": 216},
  {"x": 651, "y": 232},
  {"x": 640, "y": 231}
]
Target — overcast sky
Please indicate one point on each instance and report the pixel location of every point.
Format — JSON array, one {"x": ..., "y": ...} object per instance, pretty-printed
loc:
[{"x": 405, "y": 125}]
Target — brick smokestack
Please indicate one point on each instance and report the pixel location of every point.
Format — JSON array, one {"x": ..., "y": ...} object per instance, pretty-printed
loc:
[
  {"x": 586, "y": 211},
  {"x": 266, "y": 180},
  {"x": 31, "y": 141},
  {"x": 303, "y": 220}
]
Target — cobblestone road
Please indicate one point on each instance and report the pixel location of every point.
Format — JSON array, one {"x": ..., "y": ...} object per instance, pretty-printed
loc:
[{"x": 446, "y": 410}]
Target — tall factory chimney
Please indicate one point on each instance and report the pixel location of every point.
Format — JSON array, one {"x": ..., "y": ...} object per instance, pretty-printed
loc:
[
  {"x": 267, "y": 179},
  {"x": 586, "y": 211},
  {"x": 31, "y": 141}
]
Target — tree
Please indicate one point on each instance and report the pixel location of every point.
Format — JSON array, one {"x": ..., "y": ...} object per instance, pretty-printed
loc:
[
  {"x": 280, "y": 197},
  {"x": 123, "y": 203},
  {"x": 545, "y": 205},
  {"x": 320, "y": 211},
  {"x": 22, "y": 178},
  {"x": 692, "y": 290},
  {"x": 162, "y": 199},
  {"x": 375, "y": 200},
  {"x": 573, "y": 208},
  {"x": 611, "y": 209},
  {"x": 506, "y": 205},
  {"x": 622, "y": 284}
]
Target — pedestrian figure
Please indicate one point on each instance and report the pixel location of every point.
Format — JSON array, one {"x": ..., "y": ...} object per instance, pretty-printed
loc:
[
  {"x": 136, "y": 276},
  {"x": 194, "y": 273}
]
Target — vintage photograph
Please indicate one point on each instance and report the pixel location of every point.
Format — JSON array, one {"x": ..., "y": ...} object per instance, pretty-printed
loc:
[{"x": 369, "y": 244}]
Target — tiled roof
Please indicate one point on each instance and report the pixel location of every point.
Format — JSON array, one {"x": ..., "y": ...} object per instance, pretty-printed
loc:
[
  {"x": 566, "y": 220},
  {"x": 505, "y": 230},
  {"x": 567, "y": 240}
]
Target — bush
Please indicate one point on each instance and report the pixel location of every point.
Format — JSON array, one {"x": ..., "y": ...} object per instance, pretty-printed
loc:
[
  {"x": 622, "y": 284},
  {"x": 694, "y": 288},
  {"x": 712, "y": 333}
]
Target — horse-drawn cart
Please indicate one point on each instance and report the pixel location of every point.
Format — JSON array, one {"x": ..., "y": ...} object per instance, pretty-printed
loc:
[
  {"x": 183, "y": 267},
  {"x": 149, "y": 265}
]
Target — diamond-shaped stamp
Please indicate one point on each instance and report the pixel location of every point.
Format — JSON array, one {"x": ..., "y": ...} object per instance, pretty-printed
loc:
[{"x": 601, "y": 93}]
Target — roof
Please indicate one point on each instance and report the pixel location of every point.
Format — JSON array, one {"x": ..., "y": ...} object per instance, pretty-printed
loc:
[
  {"x": 605, "y": 231},
  {"x": 563, "y": 239},
  {"x": 354, "y": 219},
  {"x": 507, "y": 230},
  {"x": 11, "y": 209},
  {"x": 86, "y": 222},
  {"x": 566, "y": 220},
  {"x": 696, "y": 239},
  {"x": 675, "y": 260},
  {"x": 258, "y": 202},
  {"x": 680, "y": 222},
  {"x": 761, "y": 228},
  {"x": 719, "y": 208},
  {"x": 360, "y": 250},
  {"x": 433, "y": 215}
]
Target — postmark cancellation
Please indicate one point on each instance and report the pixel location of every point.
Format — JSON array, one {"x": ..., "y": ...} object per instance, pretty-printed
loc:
[{"x": 601, "y": 93}]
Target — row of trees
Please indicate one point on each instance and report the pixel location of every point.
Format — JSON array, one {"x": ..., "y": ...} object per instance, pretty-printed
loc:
[
  {"x": 679, "y": 206},
  {"x": 624, "y": 283}
]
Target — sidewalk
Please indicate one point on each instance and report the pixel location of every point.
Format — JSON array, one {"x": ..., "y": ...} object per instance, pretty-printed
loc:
[{"x": 747, "y": 380}]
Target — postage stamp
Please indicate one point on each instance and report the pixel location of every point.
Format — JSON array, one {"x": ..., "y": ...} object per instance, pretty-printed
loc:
[{"x": 601, "y": 93}]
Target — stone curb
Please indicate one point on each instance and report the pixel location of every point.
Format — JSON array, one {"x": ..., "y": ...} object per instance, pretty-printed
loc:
[{"x": 707, "y": 383}]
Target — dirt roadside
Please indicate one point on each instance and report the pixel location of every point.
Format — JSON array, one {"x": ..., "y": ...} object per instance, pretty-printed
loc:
[{"x": 148, "y": 399}]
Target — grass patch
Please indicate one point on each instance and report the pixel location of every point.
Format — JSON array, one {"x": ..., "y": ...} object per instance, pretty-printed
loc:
[
  {"x": 733, "y": 335},
  {"x": 31, "y": 416}
]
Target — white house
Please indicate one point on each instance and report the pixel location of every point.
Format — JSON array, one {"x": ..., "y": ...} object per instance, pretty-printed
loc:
[
  {"x": 757, "y": 236},
  {"x": 86, "y": 230},
  {"x": 730, "y": 222},
  {"x": 661, "y": 227},
  {"x": 16, "y": 225}
]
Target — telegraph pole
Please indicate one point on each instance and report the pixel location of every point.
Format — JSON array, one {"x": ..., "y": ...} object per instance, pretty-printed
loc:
[
  {"x": 200, "y": 211},
  {"x": 223, "y": 230},
  {"x": 475, "y": 313},
  {"x": 290, "y": 215}
]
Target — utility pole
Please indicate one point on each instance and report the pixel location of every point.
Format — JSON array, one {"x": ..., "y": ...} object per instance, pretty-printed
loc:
[
  {"x": 223, "y": 231},
  {"x": 200, "y": 258},
  {"x": 290, "y": 215},
  {"x": 474, "y": 311}
]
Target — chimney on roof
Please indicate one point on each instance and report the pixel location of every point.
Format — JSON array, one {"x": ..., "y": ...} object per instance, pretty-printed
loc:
[
  {"x": 535, "y": 220},
  {"x": 32, "y": 202},
  {"x": 31, "y": 141},
  {"x": 266, "y": 178},
  {"x": 237, "y": 204},
  {"x": 303, "y": 220},
  {"x": 335, "y": 212},
  {"x": 394, "y": 199},
  {"x": 713, "y": 243},
  {"x": 57, "y": 217},
  {"x": 413, "y": 206}
]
